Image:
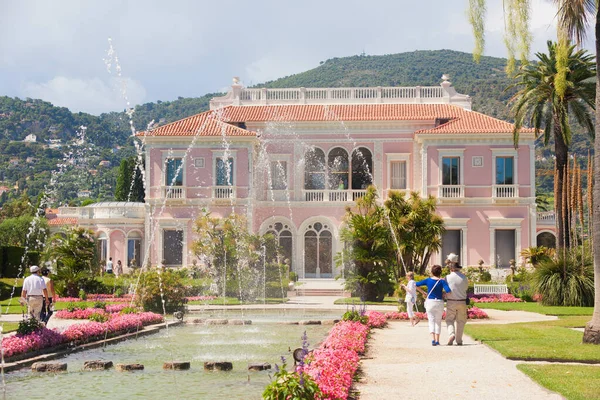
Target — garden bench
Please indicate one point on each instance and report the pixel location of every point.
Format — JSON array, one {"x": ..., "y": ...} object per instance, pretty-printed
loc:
[{"x": 491, "y": 289}]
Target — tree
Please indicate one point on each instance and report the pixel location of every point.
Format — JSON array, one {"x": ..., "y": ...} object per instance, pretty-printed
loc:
[
  {"x": 74, "y": 252},
  {"x": 538, "y": 100},
  {"x": 233, "y": 255},
  {"x": 417, "y": 228},
  {"x": 574, "y": 17},
  {"x": 369, "y": 246},
  {"x": 18, "y": 207},
  {"x": 23, "y": 231},
  {"x": 130, "y": 186}
]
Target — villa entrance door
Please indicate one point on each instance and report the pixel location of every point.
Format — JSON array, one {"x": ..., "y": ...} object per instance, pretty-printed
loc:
[
  {"x": 505, "y": 247},
  {"x": 318, "y": 252}
]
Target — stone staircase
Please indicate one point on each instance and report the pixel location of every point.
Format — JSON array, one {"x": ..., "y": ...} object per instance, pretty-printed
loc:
[{"x": 320, "y": 287}]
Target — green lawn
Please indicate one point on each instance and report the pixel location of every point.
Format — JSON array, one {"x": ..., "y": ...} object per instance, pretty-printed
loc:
[
  {"x": 388, "y": 301},
  {"x": 575, "y": 382},
  {"x": 549, "y": 340},
  {"x": 9, "y": 326},
  {"x": 538, "y": 308}
]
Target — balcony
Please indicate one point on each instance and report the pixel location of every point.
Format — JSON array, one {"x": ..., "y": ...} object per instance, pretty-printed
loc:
[
  {"x": 224, "y": 194},
  {"x": 173, "y": 193},
  {"x": 343, "y": 196},
  {"x": 546, "y": 218},
  {"x": 505, "y": 192},
  {"x": 456, "y": 192}
]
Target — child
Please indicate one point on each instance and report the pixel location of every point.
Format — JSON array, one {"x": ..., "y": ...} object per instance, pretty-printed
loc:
[{"x": 411, "y": 297}]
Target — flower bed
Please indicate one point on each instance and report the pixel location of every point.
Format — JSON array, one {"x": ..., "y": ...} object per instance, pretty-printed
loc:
[
  {"x": 472, "y": 313},
  {"x": 200, "y": 298},
  {"x": 107, "y": 298},
  {"x": 76, "y": 334},
  {"x": 334, "y": 363},
  {"x": 87, "y": 312},
  {"x": 501, "y": 298},
  {"x": 376, "y": 319}
]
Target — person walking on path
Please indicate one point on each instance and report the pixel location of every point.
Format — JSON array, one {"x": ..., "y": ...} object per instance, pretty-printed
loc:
[
  {"x": 119, "y": 270},
  {"x": 434, "y": 302},
  {"x": 48, "y": 306},
  {"x": 34, "y": 292},
  {"x": 109, "y": 266},
  {"x": 411, "y": 298},
  {"x": 456, "y": 307}
]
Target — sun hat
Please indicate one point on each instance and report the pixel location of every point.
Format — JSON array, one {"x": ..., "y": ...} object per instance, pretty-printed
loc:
[
  {"x": 453, "y": 258},
  {"x": 34, "y": 269}
]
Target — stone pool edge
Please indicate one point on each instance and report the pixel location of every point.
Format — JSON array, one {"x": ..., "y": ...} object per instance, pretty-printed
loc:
[{"x": 60, "y": 351}]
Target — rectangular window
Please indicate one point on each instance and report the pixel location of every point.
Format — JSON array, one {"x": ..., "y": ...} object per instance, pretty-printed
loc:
[
  {"x": 504, "y": 170},
  {"x": 279, "y": 175},
  {"x": 224, "y": 172},
  {"x": 174, "y": 172},
  {"x": 398, "y": 175},
  {"x": 451, "y": 171},
  {"x": 134, "y": 249},
  {"x": 172, "y": 247}
]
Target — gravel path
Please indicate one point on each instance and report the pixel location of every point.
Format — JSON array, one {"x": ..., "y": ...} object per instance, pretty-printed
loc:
[{"x": 401, "y": 364}]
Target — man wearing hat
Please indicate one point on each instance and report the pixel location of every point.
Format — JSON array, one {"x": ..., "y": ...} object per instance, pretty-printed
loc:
[
  {"x": 34, "y": 292},
  {"x": 456, "y": 308}
]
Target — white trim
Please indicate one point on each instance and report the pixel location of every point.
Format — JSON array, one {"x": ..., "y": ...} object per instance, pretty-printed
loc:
[
  {"x": 199, "y": 162},
  {"x": 220, "y": 154},
  {"x": 458, "y": 224},
  {"x": 394, "y": 157},
  {"x": 332, "y": 227},
  {"x": 497, "y": 152},
  {"x": 477, "y": 162},
  {"x": 451, "y": 153},
  {"x": 172, "y": 155},
  {"x": 505, "y": 224}
]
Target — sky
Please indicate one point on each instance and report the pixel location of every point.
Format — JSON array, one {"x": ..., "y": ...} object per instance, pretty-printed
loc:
[{"x": 59, "y": 50}]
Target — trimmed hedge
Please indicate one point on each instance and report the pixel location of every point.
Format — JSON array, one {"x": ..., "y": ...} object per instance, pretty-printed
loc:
[{"x": 10, "y": 261}]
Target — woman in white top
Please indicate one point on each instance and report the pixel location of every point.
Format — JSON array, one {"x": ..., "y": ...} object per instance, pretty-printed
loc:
[{"x": 411, "y": 297}]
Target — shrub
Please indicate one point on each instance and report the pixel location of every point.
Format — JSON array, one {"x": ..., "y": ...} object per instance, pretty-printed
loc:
[
  {"x": 100, "y": 304},
  {"x": 82, "y": 295},
  {"x": 566, "y": 281},
  {"x": 76, "y": 306},
  {"x": 149, "y": 292},
  {"x": 292, "y": 385},
  {"x": 28, "y": 326},
  {"x": 98, "y": 317},
  {"x": 118, "y": 292},
  {"x": 354, "y": 315},
  {"x": 128, "y": 310},
  {"x": 293, "y": 276}
]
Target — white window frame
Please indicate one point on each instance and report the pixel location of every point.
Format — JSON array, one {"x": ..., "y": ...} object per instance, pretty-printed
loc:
[
  {"x": 398, "y": 157},
  {"x": 505, "y": 153},
  {"x": 280, "y": 157},
  {"x": 448, "y": 153},
  {"x": 222, "y": 154},
  {"x": 458, "y": 224},
  {"x": 505, "y": 223},
  {"x": 167, "y": 155}
]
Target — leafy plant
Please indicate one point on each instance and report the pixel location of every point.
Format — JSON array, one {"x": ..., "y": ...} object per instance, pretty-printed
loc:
[
  {"x": 354, "y": 315},
  {"x": 149, "y": 294},
  {"x": 82, "y": 295},
  {"x": 76, "y": 306},
  {"x": 98, "y": 317},
  {"x": 100, "y": 304},
  {"x": 566, "y": 281},
  {"x": 291, "y": 385},
  {"x": 129, "y": 310},
  {"x": 28, "y": 326}
]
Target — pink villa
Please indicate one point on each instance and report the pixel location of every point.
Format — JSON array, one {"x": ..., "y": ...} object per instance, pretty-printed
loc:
[{"x": 291, "y": 160}]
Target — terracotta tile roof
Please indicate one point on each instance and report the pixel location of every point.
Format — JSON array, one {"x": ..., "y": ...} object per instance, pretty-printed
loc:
[
  {"x": 460, "y": 120},
  {"x": 474, "y": 122},
  {"x": 346, "y": 112},
  {"x": 63, "y": 221},
  {"x": 205, "y": 124}
]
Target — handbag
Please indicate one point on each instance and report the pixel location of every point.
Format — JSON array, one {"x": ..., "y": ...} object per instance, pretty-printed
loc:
[{"x": 468, "y": 300}]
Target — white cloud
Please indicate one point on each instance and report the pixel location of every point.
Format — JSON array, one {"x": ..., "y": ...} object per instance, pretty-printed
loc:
[{"x": 93, "y": 96}]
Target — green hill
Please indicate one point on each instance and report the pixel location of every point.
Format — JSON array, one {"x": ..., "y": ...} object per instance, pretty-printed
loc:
[{"x": 108, "y": 135}]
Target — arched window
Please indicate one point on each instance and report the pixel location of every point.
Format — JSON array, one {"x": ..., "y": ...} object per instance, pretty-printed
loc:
[
  {"x": 547, "y": 240},
  {"x": 337, "y": 164},
  {"x": 283, "y": 235},
  {"x": 318, "y": 251},
  {"x": 102, "y": 243},
  {"x": 362, "y": 168},
  {"x": 314, "y": 169},
  {"x": 134, "y": 249}
]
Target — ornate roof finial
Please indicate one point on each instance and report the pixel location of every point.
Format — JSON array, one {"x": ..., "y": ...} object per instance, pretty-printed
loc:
[
  {"x": 445, "y": 77},
  {"x": 236, "y": 80}
]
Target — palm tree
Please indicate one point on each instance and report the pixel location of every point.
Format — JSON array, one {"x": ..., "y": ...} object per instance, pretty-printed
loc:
[
  {"x": 367, "y": 238},
  {"x": 540, "y": 102},
  {"x": 417, "y": 228},
  {"x": 74, "y": 251},
  {"x": 574, "y": 17}
]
